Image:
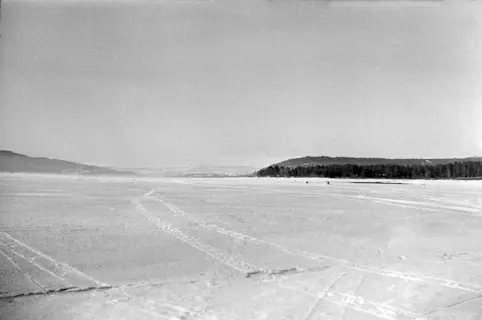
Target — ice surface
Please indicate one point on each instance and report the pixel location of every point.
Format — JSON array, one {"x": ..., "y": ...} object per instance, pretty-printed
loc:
[{"x": 238, "y": 248}]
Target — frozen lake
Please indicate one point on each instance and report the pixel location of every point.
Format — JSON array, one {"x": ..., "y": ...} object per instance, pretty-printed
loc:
[{"x": 239, "y": 248}]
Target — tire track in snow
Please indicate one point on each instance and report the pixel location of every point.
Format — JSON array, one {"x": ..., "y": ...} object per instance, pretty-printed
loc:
[{"x": 323, "y": 258}]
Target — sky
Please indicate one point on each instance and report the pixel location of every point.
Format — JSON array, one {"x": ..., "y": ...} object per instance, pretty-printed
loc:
[{"x": 208, "y": 82}]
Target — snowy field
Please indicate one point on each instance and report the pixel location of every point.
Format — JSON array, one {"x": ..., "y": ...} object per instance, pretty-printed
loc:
[{"x": 239, "y": 249}]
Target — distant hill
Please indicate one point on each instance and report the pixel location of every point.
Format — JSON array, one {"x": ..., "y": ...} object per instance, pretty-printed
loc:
[
  {"x": 198, "y": 171},
  {"x": 14, "y": 162},
  {"x": 380, "y": 168},
  {"x": 309, "y": 161}
]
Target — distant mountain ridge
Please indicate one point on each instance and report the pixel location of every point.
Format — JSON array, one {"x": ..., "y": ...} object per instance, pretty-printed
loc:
[
  {"x": 325, "y": 160},
  {"x": 14, "y": 162},
  {"x": 198, "y": 171}
]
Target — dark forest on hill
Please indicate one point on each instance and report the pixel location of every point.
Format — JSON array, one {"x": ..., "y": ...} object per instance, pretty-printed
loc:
[
  {"x": 464, "y": 169},
  {"x": 324, "y": 160}
]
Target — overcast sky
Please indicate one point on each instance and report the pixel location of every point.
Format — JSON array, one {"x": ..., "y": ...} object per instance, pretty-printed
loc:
[{"x": 160, "y": 83}]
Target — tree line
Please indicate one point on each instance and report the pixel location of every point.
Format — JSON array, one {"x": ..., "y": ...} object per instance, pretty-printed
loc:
[{"x": 463, "y": 169}]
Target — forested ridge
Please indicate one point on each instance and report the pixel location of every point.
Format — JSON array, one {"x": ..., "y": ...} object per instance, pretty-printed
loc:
[
  {"x": 453, "y": 170},
  {"x": 324, "y": 160}
]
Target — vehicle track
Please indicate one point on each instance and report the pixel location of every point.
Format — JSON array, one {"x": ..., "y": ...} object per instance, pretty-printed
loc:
[{"x": 319, "y": 257}]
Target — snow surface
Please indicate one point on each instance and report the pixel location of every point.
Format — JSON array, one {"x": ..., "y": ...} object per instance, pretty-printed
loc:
[{"x": 238, "y": 248}]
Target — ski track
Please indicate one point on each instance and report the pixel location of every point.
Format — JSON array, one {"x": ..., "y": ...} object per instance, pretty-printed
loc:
[
  {"x": 322, "y": 294},
  {"x": 470, "y": 210},
  {"x": 319, "y": 257},
  {"x": 61, "y": 269},
  {"x": 241, "y": 266},
  {"x": 346, "y": 300},
  {"x": 33, "y": 262},
  {"x": 358, "y": 303},
  {"x": 9, "y": 258}
]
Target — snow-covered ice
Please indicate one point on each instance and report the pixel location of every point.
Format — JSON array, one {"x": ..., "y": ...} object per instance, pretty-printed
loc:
[{"x": 238, "y": 248}]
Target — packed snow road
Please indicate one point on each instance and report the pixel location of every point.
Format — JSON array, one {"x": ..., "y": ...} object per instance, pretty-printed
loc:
[{"x": 239, "y": 248}]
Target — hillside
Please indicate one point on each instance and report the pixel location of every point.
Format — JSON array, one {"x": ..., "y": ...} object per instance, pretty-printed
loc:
[
  {"x": 13, "y": 162},
  {"x": 449, "y": 168},
  {"x": 309, "y": 161}
]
